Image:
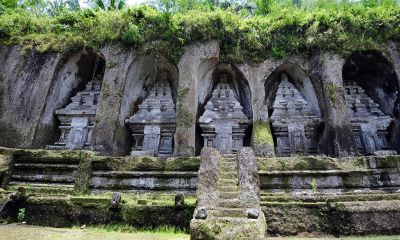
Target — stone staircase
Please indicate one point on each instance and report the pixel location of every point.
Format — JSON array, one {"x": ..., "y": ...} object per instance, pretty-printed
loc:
[
  {"x": 44, "y": 173},
  {"x": 222, "y": 212},
  {"x": 228, "y": 203}
]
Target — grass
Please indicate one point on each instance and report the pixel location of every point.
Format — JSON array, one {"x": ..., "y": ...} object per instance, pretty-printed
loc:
[
  {"x": 120, "y": 232},
  {"x": 17, "y": 232},
  {"x": 344, "y": 238}
]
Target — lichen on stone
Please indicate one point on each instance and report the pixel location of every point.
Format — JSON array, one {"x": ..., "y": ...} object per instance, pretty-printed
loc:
[{"x": 262, "y": 133}]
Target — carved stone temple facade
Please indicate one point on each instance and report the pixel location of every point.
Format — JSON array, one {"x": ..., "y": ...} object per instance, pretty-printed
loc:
[
  {"x": 78, "y": 118},
  {"x": 153, "y": 126},
  {"x": 223, "y": 122},
  {"x": 293, "y": 121},
  {"x": 369, "y": 124}
]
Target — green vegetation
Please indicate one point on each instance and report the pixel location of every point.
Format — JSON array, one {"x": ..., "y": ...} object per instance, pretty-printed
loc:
[
  {"x": 332, "y": 93},
  {"x": 314, "y": 184},
  {"x": 262, "y": 134},
  {"x": 148, "y": 164},
  {"x": 119, "y": 232},
  {"x": 268, "y": 28},
  {"x": 21, "y": 215}
]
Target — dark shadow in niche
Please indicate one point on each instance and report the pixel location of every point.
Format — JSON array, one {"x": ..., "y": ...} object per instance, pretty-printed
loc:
[
  {"x": 88, "y": 66},
  {"x": 240, "y": 85},
  {"x": 372, "y": 71},
  {"x": 151, "y": 76},
  {"x": 307, "y": 90}
]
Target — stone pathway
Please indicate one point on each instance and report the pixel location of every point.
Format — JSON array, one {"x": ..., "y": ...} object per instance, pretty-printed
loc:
[
  {"x": 222, "y": 212},
  {"x": 228, "y": 203}
]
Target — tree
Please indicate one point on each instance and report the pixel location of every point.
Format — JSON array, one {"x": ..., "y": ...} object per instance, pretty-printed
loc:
[{"x": 108, "y": 4}]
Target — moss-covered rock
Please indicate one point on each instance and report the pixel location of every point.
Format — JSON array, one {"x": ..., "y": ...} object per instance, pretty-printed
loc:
[
  {"x": 147, "y": 163},
  {"x": 309, "y": 163},
  {"x": 263, "y": 141}
]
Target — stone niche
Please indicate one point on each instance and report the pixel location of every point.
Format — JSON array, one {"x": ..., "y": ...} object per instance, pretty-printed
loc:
[
  {"x": 153, "y": 126},
  {"x": 372, "y": 95},
  {"x": 223, "y": 123},
  {"x": 369, "y": 124},
  {"x": 78, "y": 118},
  {"x": 293, "y": 121}
]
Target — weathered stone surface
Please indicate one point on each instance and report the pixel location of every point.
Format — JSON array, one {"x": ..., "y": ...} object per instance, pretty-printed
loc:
[
  {"x": 179, "y": 200},
  {"x": 249, "y": 182},
  {"x": 369, "y": 123},
  {"x": 153, "y": 126},
  {"x": 119, "y": 65},
  {"x": 294, "y": 121},
  {"x": 337, "y": 139},
  {"x": 78, "y": 118},
  {"x": 223, "y": 121},
  {"x": 25, "y": 81},
  {"x": 72, "y": 74},
  {"x": 115, "y": 200},
  {"x": 206, "y": 189},
  {"x": 195, "y": 70},
  {"x": 236, "y": 212}
]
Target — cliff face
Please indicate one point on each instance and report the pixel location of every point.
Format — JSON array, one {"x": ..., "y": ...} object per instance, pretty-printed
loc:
[{"x": 33, "y": 86}]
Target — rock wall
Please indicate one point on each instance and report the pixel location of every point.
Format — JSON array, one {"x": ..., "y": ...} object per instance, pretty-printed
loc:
[
  {"x": 26, "y": 81},
  {"x": 33, "y": 86}
]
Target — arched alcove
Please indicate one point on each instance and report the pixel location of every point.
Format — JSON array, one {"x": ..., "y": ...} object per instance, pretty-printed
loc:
[
  {"x": 293, "y": 111},
  {"x": 372, "y": 91},
  {"x": 233, "y": 79},
  {"x": 74, "y": 76},
  {"x": 158, "y": 81}
]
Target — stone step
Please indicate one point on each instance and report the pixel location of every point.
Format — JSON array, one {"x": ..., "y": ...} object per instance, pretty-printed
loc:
[
  {"x": 44, "y": 178},
  {"x": 224, "y": 189},
  {"x": 228, "y": 169},
  {"x": 227, "y": 182},
  {"x": 228, "y": 160},
  {"x": 228, "y": 195},
  {"x": 229, "y": 155},
  {"x": 228, "y": 175},
  {"x": 42, "y": 184},
  {"x": 228, "y": 163},
  {"x": 228, "y": 212},
  {"x": 229, "y": 203},
  {"x": 45, "y": 166}
]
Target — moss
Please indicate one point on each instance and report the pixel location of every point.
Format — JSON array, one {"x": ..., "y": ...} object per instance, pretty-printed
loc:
[
  {"x": 91, "y": 201},
  {"x": 182, "y": 93},
  {"x": 105, "y": 89},
  {"x": 309, "y": 163},
  {"x": 332, "y": 93},
  {"x": 1, "y": 94},
  {"x": 149, "y": 163},
  {"x": 183, "y": 164},
  {"x": 41, "y": 155},
  {"x": 183, "y": 117},
  {"x": 262, "y": 133},
  {"x": 84, "y": 174},
  {"x": 40, "y": 191}
]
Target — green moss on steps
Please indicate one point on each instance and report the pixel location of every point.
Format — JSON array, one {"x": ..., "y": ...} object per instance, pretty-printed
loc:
[
  {"x": 147, "y": 163},
  {"x": 84, "y": 174},
  {"x": 309, "y": 163},
  {"x": 262, "y": 134},
  {"x": 43, "y": 156},
  {"x": 183, "y": 164}
]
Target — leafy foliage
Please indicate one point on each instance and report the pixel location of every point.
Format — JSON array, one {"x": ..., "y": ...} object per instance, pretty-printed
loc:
[{"x": 276, "y": 28}]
